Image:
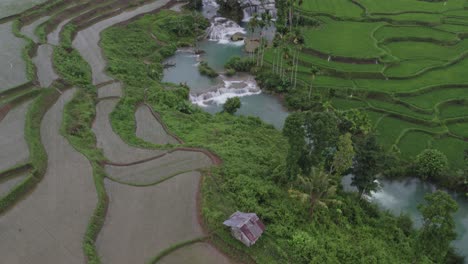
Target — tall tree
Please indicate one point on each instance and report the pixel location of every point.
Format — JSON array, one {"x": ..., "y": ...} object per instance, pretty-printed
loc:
[
  {"x": 438, "y": 226},
  {"x": 294, "y": 130},
  {"x": 321, "y": 135},
  {"x": 314, "y": 188},
  {"x": 366, "y": 167},
  {"x": 343, "y": 158}
]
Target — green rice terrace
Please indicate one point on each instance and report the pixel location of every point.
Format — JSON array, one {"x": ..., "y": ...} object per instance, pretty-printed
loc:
[
  {"x": 166, "y": 131},
  {"x": 403, "y": 62}
]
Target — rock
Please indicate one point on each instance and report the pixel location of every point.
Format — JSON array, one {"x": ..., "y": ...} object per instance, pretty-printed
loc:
[
  {"x": 237, "y": 36},
  {"x": 199, "y": 51},
  {"x": 251, "y": 44}
]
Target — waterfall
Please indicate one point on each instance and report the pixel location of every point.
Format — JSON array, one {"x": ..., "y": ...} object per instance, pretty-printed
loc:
[
  {"x": 231, "y": 88},
  {"x": 222, "y": 29}
]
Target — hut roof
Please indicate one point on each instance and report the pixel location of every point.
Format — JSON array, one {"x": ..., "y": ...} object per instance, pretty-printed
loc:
[{"x": 248, "y": 223}]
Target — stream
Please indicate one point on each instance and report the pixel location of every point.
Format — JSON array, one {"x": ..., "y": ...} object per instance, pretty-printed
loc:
[
  {"x": 397, "y": 196},
  {"x": 211, "y": 93},
  {"x": 403, "y": 196}
]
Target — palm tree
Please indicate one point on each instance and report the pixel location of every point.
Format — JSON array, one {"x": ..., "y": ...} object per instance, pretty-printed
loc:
[
  {"x": 314, "y": 188},
  {"x": 314, "y": 71},
  {"x": 291, "y": 4}
]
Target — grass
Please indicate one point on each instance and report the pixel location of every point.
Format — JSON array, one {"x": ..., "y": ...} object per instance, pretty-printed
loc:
[
  {"x": 425, "y": 50},
  {"x": 452, "y": 148},
  {"x": 460, "y": 129},
  {"x": 396, "y": 6},
  {"x": 451, "y": 110},
  {"x": 401, "y": 32},
  {"x": 415, "y": 17},
  {"x": 338, "y": 8},
  {"x": 344, "y": 38},
  {"x": 428, "y": 100},
  {"x": 421, "y": 48},
  {"x": 411, "y": 67},
  {"x": 413, "y": 142},
  {"x": 389, "y": 130}
]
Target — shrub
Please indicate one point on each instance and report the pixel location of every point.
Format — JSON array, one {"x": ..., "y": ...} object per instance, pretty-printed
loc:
[
  {"x": 240, "y": 64},
  {"x": 231, "y": 105},
  {"x": 205, "y": 69},
  {"x": 430, "y": 163},
  {"x": 272, "y": 82}
]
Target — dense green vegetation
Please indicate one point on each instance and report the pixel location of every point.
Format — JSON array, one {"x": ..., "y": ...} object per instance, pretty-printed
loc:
[
  {"x": 256, "y": 157},
  {"x": 402, "y": 62},
  {"x": 205, "y": 69}
]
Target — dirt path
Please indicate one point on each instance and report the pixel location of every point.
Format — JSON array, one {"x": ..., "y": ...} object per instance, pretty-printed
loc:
[
  {"x": 149, "y": 129},
  {"x": 14, "y": 149},
  {"x": 43, "y": 60},
  {"x": 12, "y": 65},
  {"x": 48, "y": 226},
  {"x": 87, "y": 40}
]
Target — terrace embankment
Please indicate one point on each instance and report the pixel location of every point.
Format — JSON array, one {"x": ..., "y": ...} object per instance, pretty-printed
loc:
[{"x": 48, "y": 226}]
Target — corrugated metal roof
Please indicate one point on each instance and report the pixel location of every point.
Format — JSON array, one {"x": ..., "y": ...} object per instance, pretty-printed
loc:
[{"x": 248, "y": 223}]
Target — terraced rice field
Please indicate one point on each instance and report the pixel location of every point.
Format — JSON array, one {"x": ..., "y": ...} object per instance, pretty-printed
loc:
[
  {"x": 49, "y": 224},
  {"x": 52, "y": 192},
  {"x": 12, "y": 141},
  {"x": 412, "y": 55},
  {"x": 12, "y": 7},
  {"x": 12, "y": 65}
]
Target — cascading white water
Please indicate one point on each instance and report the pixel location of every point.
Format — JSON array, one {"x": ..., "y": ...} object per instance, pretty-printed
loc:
[
  {"x": 250, "y": 7},
  {"x": 222, "y": 29},
  {"x": 231, "y": 88},
  {"x": 210, "y": 8}
]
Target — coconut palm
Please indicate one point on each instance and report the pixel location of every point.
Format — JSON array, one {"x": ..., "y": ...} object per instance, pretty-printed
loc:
[{"x": 316, "y": 189}]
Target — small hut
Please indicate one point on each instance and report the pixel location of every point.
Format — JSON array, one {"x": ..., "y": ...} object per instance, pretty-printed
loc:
[{"x": 245, "y": 227}]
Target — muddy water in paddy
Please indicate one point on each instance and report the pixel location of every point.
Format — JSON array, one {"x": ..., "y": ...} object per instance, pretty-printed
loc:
[
  {"x": 12, "y": 65},
  {"x": 143, "y": 221},
  {"x": 110, "y": 90},
  {"x": 43, "y": 61},
  {"x": 53, "y": 37},
  {"x": 49, "y": 224},
  {"x": 115, "y": 149},
  {"x": 149, "y": 129},
  {"x": 28, "y": 30},
  {"x": 190, "y": 254},
  {"x": 11, "y": 7},
  {"x": 8, "y": 183},
  {"x": 13, "y": 146},
  {"x": 154, "y": 171}
]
